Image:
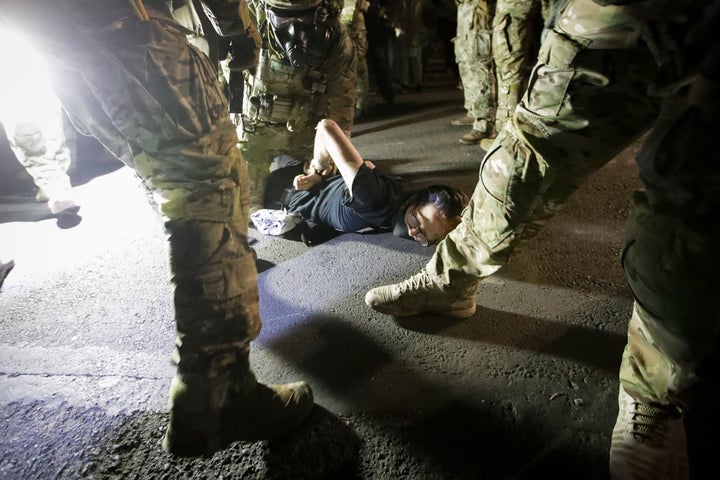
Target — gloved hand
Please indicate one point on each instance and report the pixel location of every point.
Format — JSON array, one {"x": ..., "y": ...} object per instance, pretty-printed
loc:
[{"x": 243, "y": 53}]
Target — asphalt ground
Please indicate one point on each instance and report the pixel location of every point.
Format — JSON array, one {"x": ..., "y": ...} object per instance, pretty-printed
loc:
[{"x": 525, "y": 388}]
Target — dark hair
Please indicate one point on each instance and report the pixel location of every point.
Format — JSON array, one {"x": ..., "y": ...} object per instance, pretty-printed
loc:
[{"x": 449, "y": 201}]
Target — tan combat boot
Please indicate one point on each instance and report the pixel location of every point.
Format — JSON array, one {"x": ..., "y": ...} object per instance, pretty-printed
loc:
[
  {"x": 465, "y": 121},
  {"x": 41, "y": 196},
  {"x": 423, "y": 293},
  {"x": 486, "y": 143},
  {"x": 208, "y": 414},
  {"x": 476, "y": 136},
  {"x": 648, "y": 442}
]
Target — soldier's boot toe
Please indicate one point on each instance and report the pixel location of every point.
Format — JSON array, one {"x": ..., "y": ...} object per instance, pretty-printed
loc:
[
  {"x": 487, "y": 143},
  {"x": 246, "y": 411},
  {"x": 648, "y": 442}
]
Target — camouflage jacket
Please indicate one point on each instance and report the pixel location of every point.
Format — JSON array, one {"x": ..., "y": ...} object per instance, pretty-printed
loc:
[{"x": 277, "y": 93}]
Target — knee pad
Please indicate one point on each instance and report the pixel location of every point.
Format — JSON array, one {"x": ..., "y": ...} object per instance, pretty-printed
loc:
[
  {"x": 30, "y": 139},
  {"x": 510, "y": 177}
]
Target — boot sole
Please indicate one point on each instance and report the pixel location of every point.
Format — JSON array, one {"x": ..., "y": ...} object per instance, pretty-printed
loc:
[{"x": 452, "y": 312}]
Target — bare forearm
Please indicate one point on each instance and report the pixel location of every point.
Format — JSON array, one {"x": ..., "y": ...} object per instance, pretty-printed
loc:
[{"x": 331, "y": 144}]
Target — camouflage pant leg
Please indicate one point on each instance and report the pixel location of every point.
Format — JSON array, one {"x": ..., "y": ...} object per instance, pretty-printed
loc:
[
  {"x": 672, "y": 270},
  {"x": 33, "y": 122},
  {"x": 358, "y": 33},
  {"x": 473, "y": 53},
  {"x": 516, "y": 36},
  {"x": 43, "y": 152},
  {"x": 582, "y": 108},
  {"x": 161, "y": 94},
  {"x": 265, "y": 142}
]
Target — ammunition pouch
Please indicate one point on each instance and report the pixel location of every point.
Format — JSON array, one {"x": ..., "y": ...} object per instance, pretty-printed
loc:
[{"x": 269, "y": 108}]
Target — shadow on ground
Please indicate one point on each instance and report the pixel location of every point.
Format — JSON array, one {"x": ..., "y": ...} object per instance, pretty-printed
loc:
[{"x": 456, "y": 441}]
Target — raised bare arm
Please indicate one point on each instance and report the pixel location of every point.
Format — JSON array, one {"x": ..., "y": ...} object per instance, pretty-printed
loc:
[{"x": 332, "y": 146}]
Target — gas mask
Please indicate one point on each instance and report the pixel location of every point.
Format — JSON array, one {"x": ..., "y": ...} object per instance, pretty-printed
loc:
[{"x": 305, "y": 36}]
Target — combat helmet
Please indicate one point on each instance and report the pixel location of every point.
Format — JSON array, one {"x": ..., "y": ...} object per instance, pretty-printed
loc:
[{"x": 292, "y": 4}]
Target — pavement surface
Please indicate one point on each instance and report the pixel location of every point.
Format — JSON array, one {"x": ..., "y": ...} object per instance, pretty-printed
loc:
[{"x": 526, "y": 388}]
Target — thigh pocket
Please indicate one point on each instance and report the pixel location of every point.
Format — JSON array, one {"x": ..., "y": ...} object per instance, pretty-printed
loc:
[
  {"x": 670, "y": 267},
  {"x": 501, "y": 35},
  {"x": 511, "y": 178},
  {"x": 550, "y": 79}
]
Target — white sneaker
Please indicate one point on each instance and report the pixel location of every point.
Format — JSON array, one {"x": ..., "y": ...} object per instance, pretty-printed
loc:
[{"x": 648, "y": 442}]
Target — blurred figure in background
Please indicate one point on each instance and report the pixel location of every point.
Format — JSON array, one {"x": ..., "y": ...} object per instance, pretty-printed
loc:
[
  {"x": 444, "y": 15},
  {"x": 33, "y": 121},
  {"x": 409, "y": 26},
  {"x": 473, "y": 52},
  {"x": 353, "y": 17},
  {"x": 380, "y": 37},
  {"x": 517, "y": 27}
]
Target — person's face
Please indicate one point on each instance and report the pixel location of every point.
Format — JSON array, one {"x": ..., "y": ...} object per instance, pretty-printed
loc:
[
  {"x": 301, "y": 34},
  {"x": 426, "y": 225}
]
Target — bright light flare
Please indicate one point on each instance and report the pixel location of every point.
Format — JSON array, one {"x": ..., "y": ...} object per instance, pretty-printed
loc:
[{"x": 24, "y": 84}]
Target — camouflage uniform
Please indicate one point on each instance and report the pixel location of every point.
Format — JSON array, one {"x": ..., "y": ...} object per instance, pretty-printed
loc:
[
  {"x": 671, "y": 255},
  {"x": 544, "y": 154},
  {"x": 602, "y": 74},
  {"x": 282, "y": 104},
  {"x": 515, "y": 40},
  {"x": 153, "y": 100},
  {"x": 671, "y": 260},
  {"x": 473, "y": 53},
  {"x": 353, "y": 17},
  {"x": 184, "y": 12},
  {"x": 42, "y": 149},
  {"x": 588, "y": 99}
]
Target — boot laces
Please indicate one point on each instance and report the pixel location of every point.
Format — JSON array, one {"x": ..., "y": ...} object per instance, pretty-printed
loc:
[
  {"x": 651, "y": 424},
  {"x": 419, "y": 281}
]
